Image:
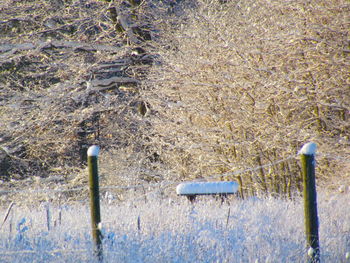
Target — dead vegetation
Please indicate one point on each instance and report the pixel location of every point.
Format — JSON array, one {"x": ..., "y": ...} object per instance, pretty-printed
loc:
[
  {"x": 69, "y": 79},
  {"x": 247, "y": 83},
  {"x": 173, "y": 90}
]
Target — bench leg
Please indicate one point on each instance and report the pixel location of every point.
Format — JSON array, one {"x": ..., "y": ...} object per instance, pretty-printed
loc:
[
  {"x": 191, "y": 198},
  {"x": 224, "y": 198}
]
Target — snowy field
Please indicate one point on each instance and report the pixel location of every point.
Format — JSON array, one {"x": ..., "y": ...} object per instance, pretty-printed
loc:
[{"x": 163, "y": 230}]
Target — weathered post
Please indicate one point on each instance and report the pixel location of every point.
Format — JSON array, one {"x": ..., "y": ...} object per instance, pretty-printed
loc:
[
  {"x": 95, "y": 201},
  {"x": 308, "y": 162}
]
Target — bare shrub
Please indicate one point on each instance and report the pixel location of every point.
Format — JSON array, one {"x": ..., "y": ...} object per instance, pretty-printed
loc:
[
  {"x": 236, "y": 85},
  {"x": 246, "y": 83},
  {"x": 54, "y": 102}
]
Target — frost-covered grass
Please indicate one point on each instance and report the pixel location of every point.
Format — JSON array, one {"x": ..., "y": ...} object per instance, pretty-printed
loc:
[{"x": 267, "y": 230}]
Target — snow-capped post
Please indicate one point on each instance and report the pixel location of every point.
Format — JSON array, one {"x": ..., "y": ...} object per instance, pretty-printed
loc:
[
  {"x": 308, "y": 163},
  {"x": 95, "y": 201}
]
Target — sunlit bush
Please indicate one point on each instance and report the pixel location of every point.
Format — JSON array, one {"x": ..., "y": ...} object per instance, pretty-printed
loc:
[{"x": 247, "y": 83}]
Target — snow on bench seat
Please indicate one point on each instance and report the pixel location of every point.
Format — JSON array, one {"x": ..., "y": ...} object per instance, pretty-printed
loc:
[{"x": 192, "y": 189}]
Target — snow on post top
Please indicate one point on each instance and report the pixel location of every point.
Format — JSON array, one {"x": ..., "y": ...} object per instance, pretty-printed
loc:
[
  {"x": 193, "y": 188},
  {"x": 93, "y": 150},
  {"x": 308, "y": 149}
]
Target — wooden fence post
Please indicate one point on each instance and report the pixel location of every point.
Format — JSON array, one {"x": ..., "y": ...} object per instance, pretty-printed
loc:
[
  {"x": 95, "y": 201},
  {"x": 310, "y": 200}
]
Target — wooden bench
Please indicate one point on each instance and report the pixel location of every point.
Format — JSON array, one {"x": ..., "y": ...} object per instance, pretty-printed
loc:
[{"x": 192, "y": 189}]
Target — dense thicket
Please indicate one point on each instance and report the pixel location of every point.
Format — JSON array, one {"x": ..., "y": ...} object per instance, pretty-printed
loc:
[
  {"x": 247, "y": 83},
  {"x": 70, "y": 74},
  {"x": 174, "y": 90}
]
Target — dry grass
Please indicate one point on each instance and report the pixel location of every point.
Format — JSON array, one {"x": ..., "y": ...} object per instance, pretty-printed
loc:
[
  {"x": 248, "y": 83},
  {"x": 268, "y": 229}
]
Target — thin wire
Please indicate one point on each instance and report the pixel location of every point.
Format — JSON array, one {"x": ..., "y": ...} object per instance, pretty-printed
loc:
[
  {"x": 8, "y": 253},
  {"x": 144, "y": 186},
  {"x": 253, "y": 168},
  {"x": 35, "y": 191},
  {"x": 338, "y": 158}
]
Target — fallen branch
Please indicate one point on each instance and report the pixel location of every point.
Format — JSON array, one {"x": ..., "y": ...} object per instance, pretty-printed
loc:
[
  {"x": 4, "y": 48},
  {"x": 104, "y": 84}
]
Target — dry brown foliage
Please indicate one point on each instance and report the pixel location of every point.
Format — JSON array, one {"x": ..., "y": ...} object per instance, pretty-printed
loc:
[
  {"x": 247, "y": 83},
  {"x": 232, "y": 85},
  {"x": 54, "y": 98}
]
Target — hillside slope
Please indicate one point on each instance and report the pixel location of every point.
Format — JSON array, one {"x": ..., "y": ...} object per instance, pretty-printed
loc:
[{"x": 173, "y": 90}]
